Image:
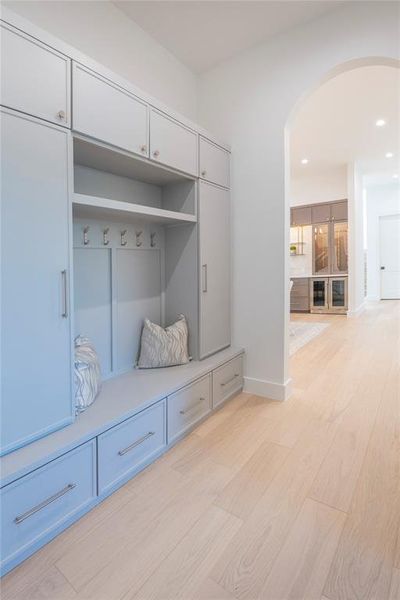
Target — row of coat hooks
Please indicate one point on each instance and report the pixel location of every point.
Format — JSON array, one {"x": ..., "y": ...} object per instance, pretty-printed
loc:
[{"x": 123, "y": 234}]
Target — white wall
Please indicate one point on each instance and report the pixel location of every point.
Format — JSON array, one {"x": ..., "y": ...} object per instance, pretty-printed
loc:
[
  {"x": 356, "y": 239},
  {"x": 248, "y": 100},
  {"x": 103, "y": 32},
  {"x": 382, "y": 200},
  {"x": 322, "y": 187}
]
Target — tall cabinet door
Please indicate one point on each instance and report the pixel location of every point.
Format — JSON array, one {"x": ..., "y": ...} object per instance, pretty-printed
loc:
[
  {"x": 35, "y": 322},
  {"x": 215, "y": 280}
]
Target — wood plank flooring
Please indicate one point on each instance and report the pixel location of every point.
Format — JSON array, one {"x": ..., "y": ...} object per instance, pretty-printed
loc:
[{"x": 265, "y": 500}]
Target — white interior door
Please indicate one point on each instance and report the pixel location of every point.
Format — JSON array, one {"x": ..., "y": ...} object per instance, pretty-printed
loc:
[{"x": 389, "y": 241}]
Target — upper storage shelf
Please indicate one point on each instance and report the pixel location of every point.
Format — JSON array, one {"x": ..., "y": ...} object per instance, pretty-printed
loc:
[
  {"x": 87, "y": 206},
  {"x": 112, "y": 184}
]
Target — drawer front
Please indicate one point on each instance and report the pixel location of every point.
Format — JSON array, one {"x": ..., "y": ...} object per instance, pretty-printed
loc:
[
  {"x": 227, "y": 380},
  {"x": 34, "y": 505},
  {"x": 126, "y": 448},
  {"x": 214, "y": 163},
  {"x": 108, "y": 113},
  {"x": 172, "y": 144},
  {"x": 35, "y": 79},
  {"x": 188, "y": 406}
]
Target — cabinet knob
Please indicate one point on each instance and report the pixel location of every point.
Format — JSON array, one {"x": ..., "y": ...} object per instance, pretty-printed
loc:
[
  {"x": 156, "y": 153},
  {"x": 143, "y": 148},
  {"x": 61, "y": 115},
  {"x": 203, "y": 173}
]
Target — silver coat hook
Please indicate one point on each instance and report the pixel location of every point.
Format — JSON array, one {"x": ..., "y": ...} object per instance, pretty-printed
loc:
[
  {"x": 138, "y": 240},
  {"x": 85, "y": 235},
  {"x": 152, "y": 239},
  {"x": 106, "y": 241},
  {"x": 123, "y": 240}
]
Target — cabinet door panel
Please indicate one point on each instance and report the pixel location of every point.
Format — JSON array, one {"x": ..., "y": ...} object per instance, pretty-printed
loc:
[
  {"x": 321, "y": 213},
  {"x": 214, "y": 163},
  {"x": 108, "y": 113},
  {"x": 339, "y": 211},
  {"x": 172, "y": 144},
  {"x": 215, "y": 291},
  {"x": 35, "y": 328},
  {"x": 35, "y": 79},
  {"x": 300, "y": 216}
]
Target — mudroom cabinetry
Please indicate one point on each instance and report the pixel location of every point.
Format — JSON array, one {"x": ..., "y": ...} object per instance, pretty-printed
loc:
[
  {"x": 35, "y": 290},
  {"x": 215, "y": 280},
  {"x": 35, "y": 79},
  {"x": 105, "y": 222}
]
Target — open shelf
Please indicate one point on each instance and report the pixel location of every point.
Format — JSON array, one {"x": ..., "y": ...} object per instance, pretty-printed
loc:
[{"x": 90, "y": 206}]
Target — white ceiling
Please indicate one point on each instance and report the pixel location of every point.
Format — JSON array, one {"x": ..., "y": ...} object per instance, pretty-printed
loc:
[
  {"x": 203, "y": 33},
  {"x": 336, "y": 125}
]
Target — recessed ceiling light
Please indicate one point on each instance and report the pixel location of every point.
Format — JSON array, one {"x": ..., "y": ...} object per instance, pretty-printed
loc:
[
  {"x": 395, "y": 175},
  {"x": 380, "y": 122},
  {"x": 389, "y": 154},
  {"x": 304, "y": 161}
]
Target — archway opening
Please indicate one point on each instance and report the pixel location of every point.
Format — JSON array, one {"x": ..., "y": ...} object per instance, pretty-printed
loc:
[{"x": 340, "y": 139}]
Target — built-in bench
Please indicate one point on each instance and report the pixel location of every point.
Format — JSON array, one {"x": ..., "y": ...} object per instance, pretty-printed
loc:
[{"x": 137, "y": 416}]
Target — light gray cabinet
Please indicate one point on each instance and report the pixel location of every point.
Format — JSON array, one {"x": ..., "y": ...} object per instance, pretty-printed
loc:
[
  {"x": 214, "y": 163},
  {"x": 215, "y": 280},
  {"x": 300, "y": 215},
  {"x": 107, "y": 112},
  {"x": 35, "y": 328},
  {"x": 173, "y": 144},
  {"x": 35, "y": 79}
]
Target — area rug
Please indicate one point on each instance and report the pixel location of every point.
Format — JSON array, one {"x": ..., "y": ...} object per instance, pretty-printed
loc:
[{"x": 301, "y": 333}]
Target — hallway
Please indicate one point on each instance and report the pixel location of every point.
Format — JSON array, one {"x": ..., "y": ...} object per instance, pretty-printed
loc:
[{"x": 264, "y": 500}]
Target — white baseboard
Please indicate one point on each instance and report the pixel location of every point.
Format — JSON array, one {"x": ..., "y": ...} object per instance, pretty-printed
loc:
[
  {"x": 268, "y": 389},
  {"x": 357, "y": 312}
]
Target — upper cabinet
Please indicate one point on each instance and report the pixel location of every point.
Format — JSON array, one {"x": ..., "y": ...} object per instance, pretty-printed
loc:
[
  {"x": 333, "y": 211},
  {"x": 35, "y": 79},
  {"x": 109, "y": 113},
  {"x": 339, "y": 211},
  {"x": 300, "y": 215},
  {"x": 214, "y": 163},
  {"x": 172, "y": 144},
  {"x": 321, "y": 213}
]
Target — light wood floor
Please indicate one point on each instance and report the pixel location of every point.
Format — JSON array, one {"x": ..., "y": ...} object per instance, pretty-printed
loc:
[{"x": 268, "y": 500}]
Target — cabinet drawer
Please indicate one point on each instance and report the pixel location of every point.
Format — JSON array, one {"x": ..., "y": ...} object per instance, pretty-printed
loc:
[
  {"x": 227, "y": 380},
  {"x": 214, "y": 163},
  {"x": 188, "y": 406},
  {"x": 35, "y": 79},
  {"x": 35, "y": 505},
  {"x": 126, "y": 448},
  {"x": 107, "y": 112},
  {"x": 172, "y": 144}
]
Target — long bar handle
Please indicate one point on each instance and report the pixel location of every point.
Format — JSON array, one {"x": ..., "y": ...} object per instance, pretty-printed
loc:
[
  {"x": 183, "y": 412},
  {"x": 64, "y": 312},
  {"x": 45, "y": 503},
  {"x": 137, "y": 443},
  {"x": 205, "y": 278},
  {"x": 230, "y": 380}
]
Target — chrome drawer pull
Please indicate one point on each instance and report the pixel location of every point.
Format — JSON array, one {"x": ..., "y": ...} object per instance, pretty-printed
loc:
[
  {"x": 183, "y": 412},
  {"x": 230, "y": 380},
  {"x": 137, "y": 443},
  {"x": 45, "y": 503}
]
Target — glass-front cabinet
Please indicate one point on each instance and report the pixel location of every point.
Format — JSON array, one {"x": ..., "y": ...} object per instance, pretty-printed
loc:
[
  {"x": 330, "y": 248},
  {"x": 340, "y": 247},
  {"x": 328, "y": 294},
  {"x": 321, "y": 248},
  {"x": 338, "y": 294},
  {"x": 319, "y": 295}
]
